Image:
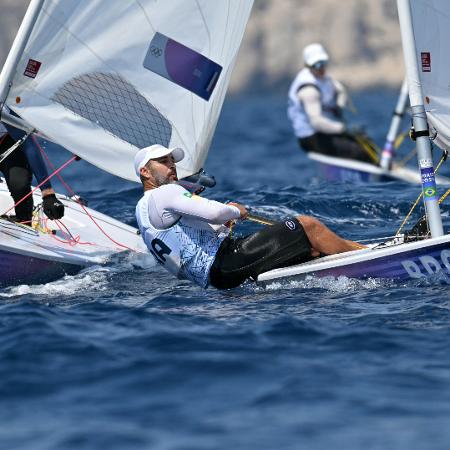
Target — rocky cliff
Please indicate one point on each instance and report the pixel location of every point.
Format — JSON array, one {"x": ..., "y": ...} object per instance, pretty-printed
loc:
[{"x": 362, "y": 37}]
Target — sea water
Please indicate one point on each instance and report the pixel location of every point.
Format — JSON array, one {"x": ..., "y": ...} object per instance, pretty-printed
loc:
[{"x": 126, "y": 357}]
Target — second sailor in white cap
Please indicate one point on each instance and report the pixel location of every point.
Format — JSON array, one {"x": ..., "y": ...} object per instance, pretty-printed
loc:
[{"x": 315, "y": 105}]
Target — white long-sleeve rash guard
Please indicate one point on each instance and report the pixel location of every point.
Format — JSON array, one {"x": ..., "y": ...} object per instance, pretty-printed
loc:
[
  {"x": 169, "y": 202},
  {"x": 183, "y": 231},
  {"x": 310, "y": 97}
]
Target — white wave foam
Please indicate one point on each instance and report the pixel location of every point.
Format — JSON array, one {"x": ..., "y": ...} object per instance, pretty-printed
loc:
[
  {"x": 341, "y": 284},
  {"x": 93, "y": 279},
  {"x": 138, "y": 261}
]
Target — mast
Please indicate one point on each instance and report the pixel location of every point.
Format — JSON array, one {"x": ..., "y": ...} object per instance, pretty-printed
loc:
[
  {"x": 20, "y": 42},
  {"x": 420, "y": 124},
  {"x": 397, "y": 115}
]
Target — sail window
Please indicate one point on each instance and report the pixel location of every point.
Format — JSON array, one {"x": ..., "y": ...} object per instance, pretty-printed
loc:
[{"x": 112, "y": 103}]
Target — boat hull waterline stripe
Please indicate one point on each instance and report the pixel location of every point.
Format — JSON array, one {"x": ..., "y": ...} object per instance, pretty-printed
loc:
[
  {"x": 20, "y": 269},
  {"x": 400, "y": 262}
]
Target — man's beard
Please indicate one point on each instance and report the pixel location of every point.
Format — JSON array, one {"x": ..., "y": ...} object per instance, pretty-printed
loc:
[{"x": 160, "y": 180}]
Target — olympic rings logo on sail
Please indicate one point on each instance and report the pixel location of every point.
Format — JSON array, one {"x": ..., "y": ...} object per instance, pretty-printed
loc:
[{"x": 156, "y": 51}]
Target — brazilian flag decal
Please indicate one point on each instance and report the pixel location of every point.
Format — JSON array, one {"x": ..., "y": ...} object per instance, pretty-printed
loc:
[{"x": 429, "y": 192}]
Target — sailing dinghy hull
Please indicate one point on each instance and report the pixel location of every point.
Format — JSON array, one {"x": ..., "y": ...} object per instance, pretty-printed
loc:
[
  {"x": 21, "y": 269},
  {"x": 415, "y": 260},
  {"x": 351, "y": 171},
  {"x": 30, "y": 255}
]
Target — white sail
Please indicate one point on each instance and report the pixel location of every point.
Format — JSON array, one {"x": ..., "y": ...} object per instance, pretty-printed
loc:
[
  {"x": 104, "y": 78},
  {"x": 431, "y": 25}
]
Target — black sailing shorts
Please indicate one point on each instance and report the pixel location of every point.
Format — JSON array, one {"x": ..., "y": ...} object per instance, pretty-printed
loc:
[
  {"x": 339, "y": 145},
  {"x": 275, "y": 246}
]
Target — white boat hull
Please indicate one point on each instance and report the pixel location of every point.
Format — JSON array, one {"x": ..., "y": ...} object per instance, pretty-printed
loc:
[
  {"x": 348, "y": 170},
  {"x": 30, "y": 255},
  {"x": 401, "y": 261}
]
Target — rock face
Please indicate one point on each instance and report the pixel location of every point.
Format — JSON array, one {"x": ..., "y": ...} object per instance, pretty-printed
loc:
[{"x": 362, "y": 37}]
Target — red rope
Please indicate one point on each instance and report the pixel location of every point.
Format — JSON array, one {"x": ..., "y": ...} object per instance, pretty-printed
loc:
[
  {"x": 36, "y": 142},
  {"x": 71, "y": 192},
  {"x": 71, "y": 240},
  {"x": 40, "y": 184}
]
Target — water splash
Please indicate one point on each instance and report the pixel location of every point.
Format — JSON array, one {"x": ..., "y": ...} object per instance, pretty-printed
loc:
[
  {"x": 340, "y": 284},
  {"x": 93, "y": 279}
]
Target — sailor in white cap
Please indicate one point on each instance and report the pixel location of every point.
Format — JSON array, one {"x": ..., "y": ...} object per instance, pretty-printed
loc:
[
  {"x": 188, "y": 236},
  {"x": 315, "y": 105}
]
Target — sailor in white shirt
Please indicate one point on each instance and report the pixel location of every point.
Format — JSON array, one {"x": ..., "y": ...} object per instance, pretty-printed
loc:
[
  {"x": 315, "y": 105},
  {"x": 187, "y": 234}
]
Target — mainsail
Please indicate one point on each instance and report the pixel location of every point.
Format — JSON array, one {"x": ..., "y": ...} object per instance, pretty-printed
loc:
[
  {"x": 105, "y": 78},
  {"x": 431, "y": 26}
]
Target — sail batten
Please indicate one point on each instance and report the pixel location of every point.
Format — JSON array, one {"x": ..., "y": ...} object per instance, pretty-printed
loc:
[{"x": 141, "y": 73}]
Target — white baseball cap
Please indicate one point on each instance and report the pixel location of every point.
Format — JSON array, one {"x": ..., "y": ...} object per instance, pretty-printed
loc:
[
  {"x": 313, "y": 53},
  {"x": 144, "y": 155}
]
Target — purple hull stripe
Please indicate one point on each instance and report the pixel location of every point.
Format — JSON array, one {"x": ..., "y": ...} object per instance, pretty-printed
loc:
[
  {"x": 18, "y": 269},
  {"x": 414, "y": 264},
  {"x": 341, "y": 174}
]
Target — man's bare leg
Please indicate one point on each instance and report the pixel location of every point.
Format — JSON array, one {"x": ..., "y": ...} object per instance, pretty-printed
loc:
[{"x": 323, "y": 240}]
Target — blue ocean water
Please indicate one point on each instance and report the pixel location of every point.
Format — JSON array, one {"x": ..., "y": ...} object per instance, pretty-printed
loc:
[{"x": 126, "y": 357}]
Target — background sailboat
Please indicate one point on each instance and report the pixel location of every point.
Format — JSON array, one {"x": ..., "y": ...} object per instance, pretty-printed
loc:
[
  {"x": 388, "y": 169},
  {"x": 425, "y": 31},
  {"x": 104, "y": 79}
]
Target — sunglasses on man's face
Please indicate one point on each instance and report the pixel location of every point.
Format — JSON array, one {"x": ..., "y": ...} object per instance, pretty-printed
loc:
[{"x": 319, "y": 65}]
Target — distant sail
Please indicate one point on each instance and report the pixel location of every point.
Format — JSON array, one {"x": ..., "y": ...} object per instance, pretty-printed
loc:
[
  {"x": 104, "y": 78},
  {"x": 431, "y": 24}
]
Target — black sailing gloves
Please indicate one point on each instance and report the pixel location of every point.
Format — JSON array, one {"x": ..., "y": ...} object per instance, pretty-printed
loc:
[{"x": 53, "y": 208}]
